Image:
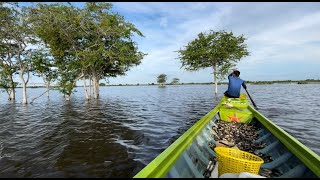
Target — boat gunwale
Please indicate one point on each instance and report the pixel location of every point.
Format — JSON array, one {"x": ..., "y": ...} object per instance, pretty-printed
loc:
[
  {"x": 306, "y": 155},
  {"x": 171, "y": 154}
]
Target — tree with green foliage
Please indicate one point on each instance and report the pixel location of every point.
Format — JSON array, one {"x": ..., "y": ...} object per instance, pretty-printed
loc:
[
  {"x": 15, "y": 37},
  {"x": 7, "y": 51},
  {"x": 175, "y": 81},
  {"x": 7, "y": 84},
  {"x": 56, "y": 25},
  {"x": 161, "y": 79},
  {"x": 114, "y": 53},
  {"x": 88, "y": 42},
  {"x": 43, "y": 66},
  {"x": 6, "y": 78},
  {"x": 219, "y": 50}
]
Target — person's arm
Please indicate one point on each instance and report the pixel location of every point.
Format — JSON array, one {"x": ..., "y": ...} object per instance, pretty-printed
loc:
[{"x": 244, "y": 85}]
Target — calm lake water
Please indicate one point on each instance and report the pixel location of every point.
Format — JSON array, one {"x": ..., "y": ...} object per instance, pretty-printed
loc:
[{"x": 119, "y": 134}]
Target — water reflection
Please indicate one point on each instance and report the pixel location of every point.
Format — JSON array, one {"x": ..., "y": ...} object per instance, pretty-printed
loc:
[{"x": 117, "y": 135}]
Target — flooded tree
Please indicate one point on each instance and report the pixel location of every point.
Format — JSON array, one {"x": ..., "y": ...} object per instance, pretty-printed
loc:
[
  {"x": 219, "y": 50},
  {"x": 56, "y": 25},
  {"x": 6, "y": 78},
  {"x": 43, "y": 66},
  {"x": 111, "y": 51},
  {"x": 7, "y": 51},
  {"x": 15, "y": 36},
  {"x": 86, "y": 43},
  {"x": 175, "y": 81},
  {"x": 24, "y": 64},
  {"x": 6, "y": 82},
  {"x": 161, "y": 79}
]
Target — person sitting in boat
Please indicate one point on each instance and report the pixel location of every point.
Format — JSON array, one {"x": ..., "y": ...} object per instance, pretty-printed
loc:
[{"x": 234, "y": 85}]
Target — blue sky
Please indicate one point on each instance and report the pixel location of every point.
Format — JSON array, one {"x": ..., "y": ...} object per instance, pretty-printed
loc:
[{"x": 283, "y": 38}]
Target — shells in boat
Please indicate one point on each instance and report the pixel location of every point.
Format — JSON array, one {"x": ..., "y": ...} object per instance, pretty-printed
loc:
[{"x": 243, "y": 136}]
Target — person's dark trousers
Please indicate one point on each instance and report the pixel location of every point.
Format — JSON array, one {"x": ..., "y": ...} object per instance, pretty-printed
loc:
[{"x": 229, "y": 96}]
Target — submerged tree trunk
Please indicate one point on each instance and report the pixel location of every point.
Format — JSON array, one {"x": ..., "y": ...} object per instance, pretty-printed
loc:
[
  {"x": 47, "y": 83},
  {"x": 85, "y": 88},
  {"x": 95, "y": 87},
  {"x": 90, "y": 86},
  {"x": 48, "y": 88},
  {"x": 12, "y": 95},
  {"x": 215, "y": 80},
  {"x": 24, "y": 92},
  {"x": 67, "y": 96},
  {"x": 68, "y": 93},
  {"x": 24, "y": 85},
  {"x": 23, "y": 68}
]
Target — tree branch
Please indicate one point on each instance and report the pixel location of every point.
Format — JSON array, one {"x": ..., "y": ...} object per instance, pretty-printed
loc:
[{"x": 38, "y": 96}]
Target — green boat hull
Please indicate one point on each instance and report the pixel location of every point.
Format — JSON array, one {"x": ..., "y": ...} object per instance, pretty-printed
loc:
[{"x": 189, "y": 155}]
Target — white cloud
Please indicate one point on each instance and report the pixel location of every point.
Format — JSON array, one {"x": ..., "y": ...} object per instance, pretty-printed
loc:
[
  {"x": 302, "y": 30},
  {"x": 163, "y": 22},
  {"x": 279, "y": 33},
  {"x": 274, "y": 37}
]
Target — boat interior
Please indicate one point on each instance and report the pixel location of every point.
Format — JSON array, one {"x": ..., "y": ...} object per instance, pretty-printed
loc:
[{"x": 194, "y": 161}]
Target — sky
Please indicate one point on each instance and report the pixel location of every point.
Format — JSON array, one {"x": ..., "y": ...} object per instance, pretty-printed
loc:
[{"x": 283, "y": 38}]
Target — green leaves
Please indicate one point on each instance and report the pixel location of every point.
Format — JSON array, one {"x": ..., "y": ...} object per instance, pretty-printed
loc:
[
  {"x": 89, "y": 41},
  {"x": 42, "y": 64},
  {"x": 162, "y": 78},
  {"x": 175, "y": 81},
  {"x": 213, "y": 48},
  {"x": 220, "y": 50}
]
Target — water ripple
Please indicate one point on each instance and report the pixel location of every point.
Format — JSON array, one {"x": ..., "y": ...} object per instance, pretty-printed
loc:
[{"x": 117, "y": 135}]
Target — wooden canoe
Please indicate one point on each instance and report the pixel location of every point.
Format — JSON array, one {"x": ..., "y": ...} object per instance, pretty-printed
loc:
[{"x": 189, "y": 155}]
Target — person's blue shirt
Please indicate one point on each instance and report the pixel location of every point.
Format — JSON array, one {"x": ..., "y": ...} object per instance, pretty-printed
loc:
[{"x": 234, "y": 86}]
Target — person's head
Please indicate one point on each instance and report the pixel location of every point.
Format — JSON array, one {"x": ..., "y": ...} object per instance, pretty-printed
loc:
[{"x": 236, "y": 73}]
